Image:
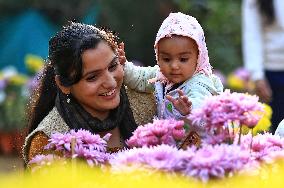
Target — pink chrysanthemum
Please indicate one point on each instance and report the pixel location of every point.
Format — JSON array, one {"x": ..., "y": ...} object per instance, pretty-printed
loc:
[
  {"x": 40, "y": 161},
  {"x": 159, "y": 132},
  {"x": 219, "y": 112},
  {"x": 263, "y": 146},
  {"x": 207, "y": 162},
  {"x": 163, "y": 157},
  {"x": 217, "y": 161},
  {"x": 88, "y": 146},
  {"x": 242, "y": 73}
]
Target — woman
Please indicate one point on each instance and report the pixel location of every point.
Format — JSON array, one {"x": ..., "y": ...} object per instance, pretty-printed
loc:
[
  {"x": 263, "y": 49},
  {"x": 82, "y": 87}
]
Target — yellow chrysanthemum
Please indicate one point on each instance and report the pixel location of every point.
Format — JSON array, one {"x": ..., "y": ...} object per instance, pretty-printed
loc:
[
  {"x": 1, "y": 76},
  {"x": 267, "y": 110},
  {"x": 235, "y": 83},
  {"x": 83, "y": 176},
  {"x": 18, "y": 79},
  {"x": 34, "y": 63}
]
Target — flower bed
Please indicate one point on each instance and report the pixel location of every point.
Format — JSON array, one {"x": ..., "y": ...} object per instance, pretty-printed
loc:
[{"x": 154, "y": 148}]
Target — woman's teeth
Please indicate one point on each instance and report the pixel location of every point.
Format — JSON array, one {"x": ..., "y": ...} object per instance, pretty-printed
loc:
[{"x": 109, "y": 93}]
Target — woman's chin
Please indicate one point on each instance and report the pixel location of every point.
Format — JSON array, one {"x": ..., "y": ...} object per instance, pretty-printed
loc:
[{"x": 111, "y": 103}]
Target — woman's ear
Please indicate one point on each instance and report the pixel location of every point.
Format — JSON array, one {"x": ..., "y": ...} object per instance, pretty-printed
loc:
[{"x": 64, "y": 89}]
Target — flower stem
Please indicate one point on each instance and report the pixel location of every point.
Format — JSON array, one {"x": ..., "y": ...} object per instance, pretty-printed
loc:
[
  {"x": 73, "y": 142},
  {"x": 229, "y": 136},
  {"x": 240, "y": 134},
  {"x": 251, "y": 140},
  {"x": 233, "y": 126}
]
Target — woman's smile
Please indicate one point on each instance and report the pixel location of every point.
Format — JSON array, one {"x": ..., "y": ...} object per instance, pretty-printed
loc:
[{"x": 109, "y": 95}]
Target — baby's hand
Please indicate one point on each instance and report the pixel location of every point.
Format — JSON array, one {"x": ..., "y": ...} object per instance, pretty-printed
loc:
[
  {"x": 121, "y": 54},
  {"x": 182, "y": 103}
]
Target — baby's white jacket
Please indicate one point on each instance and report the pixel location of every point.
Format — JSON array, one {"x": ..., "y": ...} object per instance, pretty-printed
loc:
[{"x": 197, "y": 88}]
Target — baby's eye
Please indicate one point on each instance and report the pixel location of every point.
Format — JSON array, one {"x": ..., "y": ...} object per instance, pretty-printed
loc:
[
  {"x": 184, "y": 59},
  {"x": 166, "y": 59}
]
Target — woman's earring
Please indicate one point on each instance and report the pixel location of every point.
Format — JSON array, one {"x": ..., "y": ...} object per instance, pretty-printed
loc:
[{"x": 68, "y": 99}]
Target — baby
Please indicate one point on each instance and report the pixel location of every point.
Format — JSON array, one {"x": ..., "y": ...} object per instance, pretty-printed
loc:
[{"x": 183, "y": 77}]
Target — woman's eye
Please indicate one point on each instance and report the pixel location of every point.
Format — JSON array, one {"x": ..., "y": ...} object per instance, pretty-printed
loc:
[
  {"x": 113, "y": 66},
  {"x": 92, "y": 78}
]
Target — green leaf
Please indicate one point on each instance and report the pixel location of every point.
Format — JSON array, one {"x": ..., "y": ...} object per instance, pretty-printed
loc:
[
  {"x": 170, "y": 107},
  {"x": 186, "y": 127}
]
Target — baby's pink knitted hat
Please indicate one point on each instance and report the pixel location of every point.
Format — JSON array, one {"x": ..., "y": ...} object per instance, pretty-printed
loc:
[{"x": 185, "y": 25}]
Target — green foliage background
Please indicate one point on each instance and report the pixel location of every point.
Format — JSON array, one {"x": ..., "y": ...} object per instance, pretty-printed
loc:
[
  {"x": 137, "y": 26},
  {"x": 12, "y": 110},
  {"x": 137, "y": 22}
]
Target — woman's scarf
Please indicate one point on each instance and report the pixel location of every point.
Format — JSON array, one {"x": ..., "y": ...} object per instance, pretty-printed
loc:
[{"x": 76, "y": 117}]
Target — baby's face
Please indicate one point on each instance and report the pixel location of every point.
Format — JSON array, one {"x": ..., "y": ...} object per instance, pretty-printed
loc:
[{"x": 177, "y": 58}]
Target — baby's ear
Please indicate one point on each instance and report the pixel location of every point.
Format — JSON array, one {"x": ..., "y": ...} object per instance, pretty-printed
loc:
[{"x": 64, "y": 89}]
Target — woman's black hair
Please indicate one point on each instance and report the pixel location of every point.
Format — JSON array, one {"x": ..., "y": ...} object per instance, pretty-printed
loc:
[
  {"x": 65, "y": 60},
  {"x": 267, "y": 10}
]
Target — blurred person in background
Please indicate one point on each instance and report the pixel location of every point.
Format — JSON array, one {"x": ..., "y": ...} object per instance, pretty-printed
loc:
[{"x": 263, "y": 51}]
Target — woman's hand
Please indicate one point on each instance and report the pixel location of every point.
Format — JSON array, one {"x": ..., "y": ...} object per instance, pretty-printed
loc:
[
  {"x": 121, "y": 54},
  {"x": 182, "y": 103}
]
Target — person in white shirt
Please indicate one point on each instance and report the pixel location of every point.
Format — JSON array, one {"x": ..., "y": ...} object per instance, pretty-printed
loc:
[
  {"x": 280, "y": 129},
  {"x": 263, "y": 51}
]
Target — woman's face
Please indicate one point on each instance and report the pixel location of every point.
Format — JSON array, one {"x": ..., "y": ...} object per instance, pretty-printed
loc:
[{"x": 98, "y": 91}]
